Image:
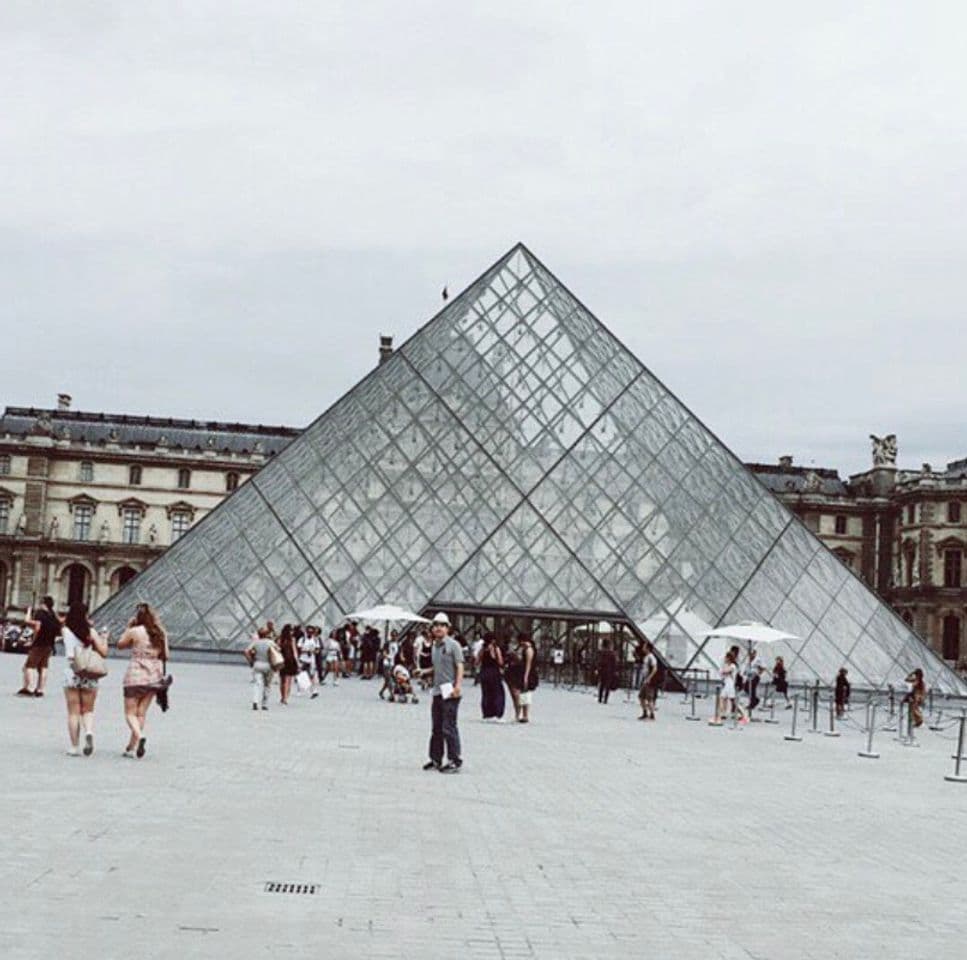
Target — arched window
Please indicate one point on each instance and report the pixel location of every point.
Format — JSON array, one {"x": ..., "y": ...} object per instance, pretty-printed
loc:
[
  {"x": 134, "y": 475},
  {"x": 123, "y": 576},
  {"x": 87, "y": 471},
  {"x": 951, "y": 637},
  {"x": 77, "y": 579},
  {"x": 231, "y": 481},
  {"x": 184, "y": 478}
]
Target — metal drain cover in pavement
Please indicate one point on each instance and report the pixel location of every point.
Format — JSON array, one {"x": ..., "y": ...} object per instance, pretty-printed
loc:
[{"x": 303, "y": 888}]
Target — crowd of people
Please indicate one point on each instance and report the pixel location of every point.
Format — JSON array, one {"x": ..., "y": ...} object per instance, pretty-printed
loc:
[
  {"x": 305, "y": 660},
  {"x": 426, "y": 658},
  {"x": 744, "y": 675},
  {"x": 85, "y": 653}
]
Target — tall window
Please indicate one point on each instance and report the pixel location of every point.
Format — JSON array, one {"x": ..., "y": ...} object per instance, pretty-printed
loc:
[
  {"x": 908, "y": 560},
  {"x": 131, "y": 526},
  {"x": 180, "y": 522},
  {"x": 134, "y": 476},
  {"x": 83, "y": 514},
  {"x": 911, "y": 513},
  {"x": 184, "y": 479},
  {"x": 953, "y": 511},
  {"x": 4, "y": 515},
  {"x": 951, "y": 568},
  {"x": 231, "y": 482},
  {"x": 4, "y": 464},
  {"x": 87, "y": 471},
  {"x": 840, "y": 522},
  {"x": 951, "y": 637}
]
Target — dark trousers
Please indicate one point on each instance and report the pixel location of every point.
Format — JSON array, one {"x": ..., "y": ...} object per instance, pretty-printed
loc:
[
  {"x": 604, "y": 689},
  {"x": 754, "y": 692},
  {"x": 444, "y": 717}
]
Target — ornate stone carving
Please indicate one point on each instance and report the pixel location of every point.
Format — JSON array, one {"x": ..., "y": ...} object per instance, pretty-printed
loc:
[
  {"x": 152, "y": 534},
  {"x": 812, "y": 483},
  {"x": 884, "y": 450}
]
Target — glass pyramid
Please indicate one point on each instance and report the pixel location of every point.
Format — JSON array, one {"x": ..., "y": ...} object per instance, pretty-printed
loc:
[{"x": 514, "y": 455}]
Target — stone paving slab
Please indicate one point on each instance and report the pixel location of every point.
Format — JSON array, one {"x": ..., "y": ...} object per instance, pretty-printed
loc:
[{"x": 584, "y": 834}]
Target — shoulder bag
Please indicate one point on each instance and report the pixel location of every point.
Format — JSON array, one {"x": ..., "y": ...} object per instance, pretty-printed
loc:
[
  {"x": 275, "y": 657},
  {"x": 88, "y": 664}
]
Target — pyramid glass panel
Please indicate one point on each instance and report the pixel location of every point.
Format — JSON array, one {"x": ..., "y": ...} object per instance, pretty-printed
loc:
[{"x": 513, "y": 454}]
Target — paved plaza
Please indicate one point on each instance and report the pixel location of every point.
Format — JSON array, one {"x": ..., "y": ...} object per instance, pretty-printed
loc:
[{"x": 585, "y": 834}]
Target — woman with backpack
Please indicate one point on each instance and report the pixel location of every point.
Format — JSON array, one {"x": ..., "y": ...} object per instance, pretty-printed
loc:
[{"x": 80, "y": 686}]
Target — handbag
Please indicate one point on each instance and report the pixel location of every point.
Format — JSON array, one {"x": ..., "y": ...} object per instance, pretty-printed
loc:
[
  {"x": 162, "y": 695},
  {"x": 88, "y": 664},
  {"x": 275, "y": 657}
]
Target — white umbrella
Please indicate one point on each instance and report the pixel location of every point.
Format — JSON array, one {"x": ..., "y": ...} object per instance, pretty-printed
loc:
[
  {"x": 386, "y": 612},
  {"x": 752, "y": 632}
]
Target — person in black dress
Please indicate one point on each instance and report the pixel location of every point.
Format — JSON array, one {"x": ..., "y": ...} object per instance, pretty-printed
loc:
[
  {"x": 491, "y": 665},
  {"x": 290, "y": 661},
  {"x": 607, "y": 671}
]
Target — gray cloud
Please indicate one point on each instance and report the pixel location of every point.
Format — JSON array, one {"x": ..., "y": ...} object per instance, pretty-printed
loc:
[{"x": 213, "y": 209}]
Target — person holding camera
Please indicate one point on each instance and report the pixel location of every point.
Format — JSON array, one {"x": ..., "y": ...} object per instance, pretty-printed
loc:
[
  {"x": 80, "y": 689},
  {"x": 145, "y": 676}
]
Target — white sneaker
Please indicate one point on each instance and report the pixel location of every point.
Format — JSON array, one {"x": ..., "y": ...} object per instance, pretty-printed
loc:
[
  {"x": 128, "y": 754},
  {"x": 73, "y": 752}
]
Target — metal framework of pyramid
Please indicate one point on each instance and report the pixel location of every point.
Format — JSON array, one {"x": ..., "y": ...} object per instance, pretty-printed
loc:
[{"x": 512, "y": 454}]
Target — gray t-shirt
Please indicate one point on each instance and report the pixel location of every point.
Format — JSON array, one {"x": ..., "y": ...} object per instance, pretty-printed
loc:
[
  {"x": 260, "y": 647},
  {"x": 446, "y": 656}
]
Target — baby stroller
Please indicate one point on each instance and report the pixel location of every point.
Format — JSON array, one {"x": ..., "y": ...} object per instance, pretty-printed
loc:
[{"x": 401, "y": 689}]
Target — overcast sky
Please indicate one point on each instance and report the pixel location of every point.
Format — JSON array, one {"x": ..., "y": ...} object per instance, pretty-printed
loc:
[{"x": 213, "y": 209}]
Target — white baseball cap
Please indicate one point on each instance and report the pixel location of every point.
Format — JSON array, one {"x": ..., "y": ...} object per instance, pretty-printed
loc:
[{"x": 441, "y": 617}]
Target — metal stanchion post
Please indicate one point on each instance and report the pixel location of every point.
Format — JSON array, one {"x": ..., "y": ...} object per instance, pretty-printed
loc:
[
  {"x": 869, "y": 752},
  {"x": 957, "y": 776},
  {"x": 692, "y": 714},
  {"x": 911, "y": 737},
  {"x": 832, "y": 731},
  {"x": 901, "y": 723},
  {"x": 716, "y": 720},
  {"x": 793, "y": 734},
  {"x": 814, "y": 712},
  {"x": 772, "y": 712},
  {"x": 893, "y": 722}
]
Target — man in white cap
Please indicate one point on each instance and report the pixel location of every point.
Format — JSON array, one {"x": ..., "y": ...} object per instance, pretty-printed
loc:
[{"x": 447, "y": 681}]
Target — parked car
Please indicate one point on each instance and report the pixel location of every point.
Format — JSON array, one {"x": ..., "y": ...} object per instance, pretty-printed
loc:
[{"x": 17, "y": 638}]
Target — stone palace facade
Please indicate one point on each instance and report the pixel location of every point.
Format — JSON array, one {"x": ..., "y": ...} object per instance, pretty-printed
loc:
[{"x": 89, "y": 499}]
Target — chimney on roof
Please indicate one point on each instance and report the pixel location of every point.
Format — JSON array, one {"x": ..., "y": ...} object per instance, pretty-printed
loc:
[
  {"x": 785, "y": 462},
  {"x": 385, "y": 348},
  {"x": 63, "y": 401}
]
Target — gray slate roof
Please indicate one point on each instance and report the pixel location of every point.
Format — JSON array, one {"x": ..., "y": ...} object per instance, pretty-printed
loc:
[{"x": 102, "y": 428}]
